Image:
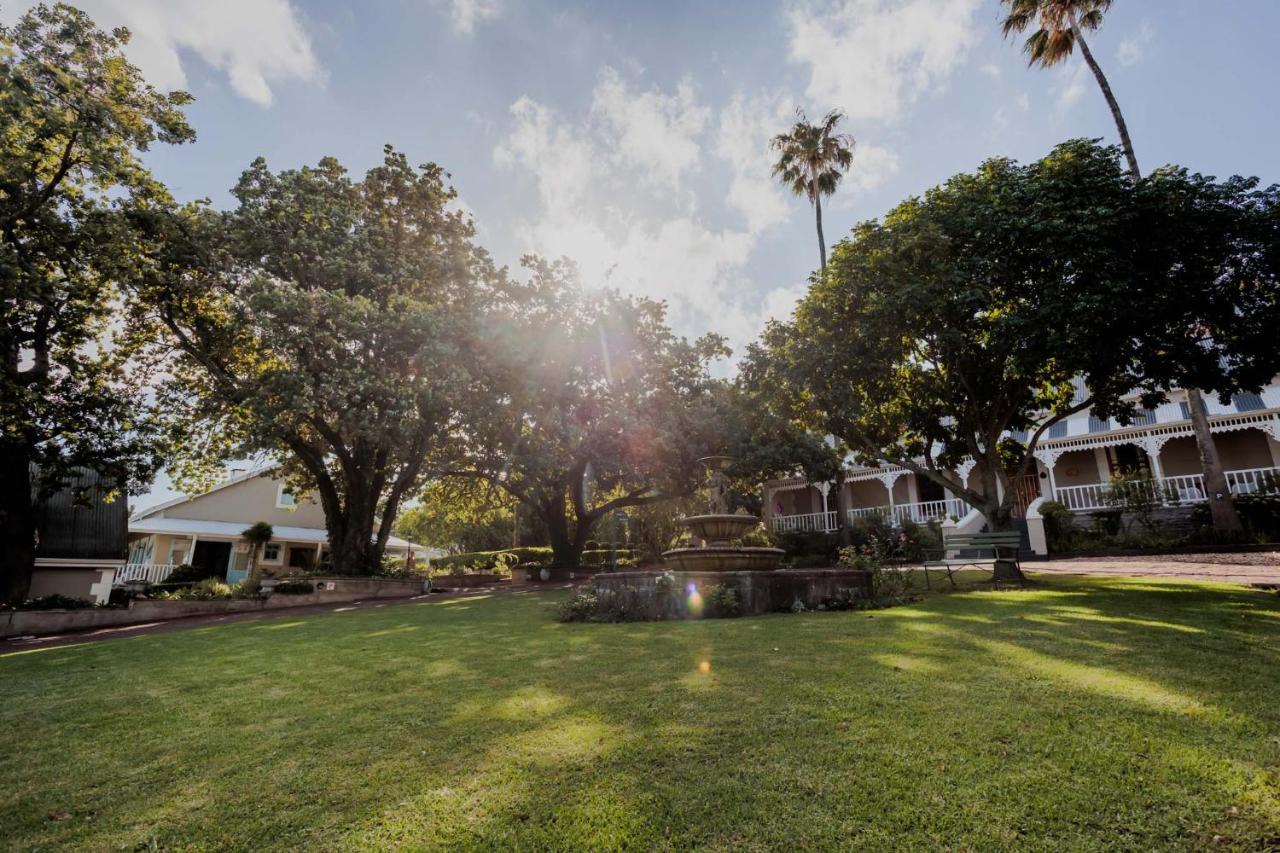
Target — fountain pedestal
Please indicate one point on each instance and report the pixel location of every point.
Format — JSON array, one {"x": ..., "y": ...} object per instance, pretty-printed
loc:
[{"x": 718, "y": 529}]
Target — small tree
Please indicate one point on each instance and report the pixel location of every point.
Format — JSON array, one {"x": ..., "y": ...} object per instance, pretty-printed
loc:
[{"x": 257, "y": 535}]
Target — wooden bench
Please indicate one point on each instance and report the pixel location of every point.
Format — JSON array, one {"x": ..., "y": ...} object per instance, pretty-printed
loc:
[{"x": 990, "y": 547}]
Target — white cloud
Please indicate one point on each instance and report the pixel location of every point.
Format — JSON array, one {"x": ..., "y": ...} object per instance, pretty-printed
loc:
[
  {"x": 612, "y": 195},
  {"x": 254, "y": 42},
  {"x": 1071, "y": 87},
  {"x": 873, "y": 58},
  {"x": 991, "y": 70},
  {"x": 1134, "y": 47},
  {"x": 467, "y": 13},
  {"x": 742, "y": 140},
  {"x": 655, "y": 131}
]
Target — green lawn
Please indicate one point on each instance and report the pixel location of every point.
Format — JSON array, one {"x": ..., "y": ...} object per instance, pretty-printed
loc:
[{"x": 1077, "y": 714}]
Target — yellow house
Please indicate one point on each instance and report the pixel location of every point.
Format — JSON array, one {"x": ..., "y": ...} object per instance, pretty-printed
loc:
[{"x": 206, "y": 531}]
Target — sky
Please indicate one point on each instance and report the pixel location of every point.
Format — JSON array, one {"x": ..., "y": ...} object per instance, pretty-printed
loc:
[{"x": 633, "y": 136}]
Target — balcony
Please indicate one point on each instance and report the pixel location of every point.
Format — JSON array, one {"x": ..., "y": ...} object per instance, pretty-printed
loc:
[
  {"x": 1177, "y": 491},
  {"x": 921, "y": 512}
]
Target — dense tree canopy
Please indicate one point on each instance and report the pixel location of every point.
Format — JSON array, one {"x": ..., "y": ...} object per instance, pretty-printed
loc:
[
  {"x": 460, "y": 515},
  {"x": 597, "y": 406},
  {"x": 967, "y": 314},
  {"x": 74, "y": 115},
  {"x": 330, "y": 320}
]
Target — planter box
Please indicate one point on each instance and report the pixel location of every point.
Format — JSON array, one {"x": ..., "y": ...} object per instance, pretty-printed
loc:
[{"x": 20, "y": 623}]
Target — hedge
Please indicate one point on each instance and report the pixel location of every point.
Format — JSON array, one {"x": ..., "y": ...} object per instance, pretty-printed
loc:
[{"x": 487, "y": 559}]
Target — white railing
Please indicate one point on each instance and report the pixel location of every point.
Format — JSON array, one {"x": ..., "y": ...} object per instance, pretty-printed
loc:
[
  {"x": 922, "y": 512},
  {"x": 867, "y": 512},
  {"x": 810, "y": 522},
  {"x": 149, "y": 572},
  {"x": 1179, "y": 490}
]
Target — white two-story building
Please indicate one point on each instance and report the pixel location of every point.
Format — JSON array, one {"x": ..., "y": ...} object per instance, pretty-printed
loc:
[{"x": 1075, "y": 461}]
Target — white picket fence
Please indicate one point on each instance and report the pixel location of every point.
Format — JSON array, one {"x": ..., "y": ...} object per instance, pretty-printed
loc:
[{"x": 1180, "y": 490}]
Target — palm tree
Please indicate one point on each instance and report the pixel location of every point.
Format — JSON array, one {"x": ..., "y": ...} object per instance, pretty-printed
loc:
[
  {"x": 811, "y": 161},
  {"x": 257, "y": 534},
  {"x": 1060, "y": 27}
]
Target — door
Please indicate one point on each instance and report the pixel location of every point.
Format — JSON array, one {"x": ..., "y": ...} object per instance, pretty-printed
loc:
[{"x": 211, "y": 558}]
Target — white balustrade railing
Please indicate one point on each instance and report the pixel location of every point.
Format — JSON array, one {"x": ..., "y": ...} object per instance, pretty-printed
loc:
[
  {"x": 810, "y": 522},
  {"x": 1182, "y": 489},
  {"x": 868, "y": 511},
  {"x": 922, "y": 512},
  {"x": 149, "y": 572}
]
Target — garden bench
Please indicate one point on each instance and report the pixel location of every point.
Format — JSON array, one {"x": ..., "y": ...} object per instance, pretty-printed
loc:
[{"x": 987, "y": 545}]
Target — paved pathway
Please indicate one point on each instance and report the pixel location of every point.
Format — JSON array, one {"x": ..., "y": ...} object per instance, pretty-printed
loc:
[
  {"x": 1250, "y": 568},
  {"x": 20, "y": 644}
]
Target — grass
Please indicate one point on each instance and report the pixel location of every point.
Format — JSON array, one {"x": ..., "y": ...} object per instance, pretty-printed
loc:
[{"x": 1078, "y": 714}]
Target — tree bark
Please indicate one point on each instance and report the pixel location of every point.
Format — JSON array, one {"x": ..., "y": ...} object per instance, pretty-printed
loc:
[
  {"x": 843, "y": 534},
  {"x": 556, "y": 517},
  {"x": 1222, "y": 509},
  {"x": 822, "y": 243},
  {"x": 17, "y": 524},
  {"x": 1125, "y": 144}
]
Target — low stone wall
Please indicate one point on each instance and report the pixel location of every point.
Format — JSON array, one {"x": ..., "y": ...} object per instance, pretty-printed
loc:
[
  {"x": 758, "y": 592},
  {"x": 1175, "y": 520},
  {"x": 21, "y": 623},
  {"x": 464, "y": 581}
]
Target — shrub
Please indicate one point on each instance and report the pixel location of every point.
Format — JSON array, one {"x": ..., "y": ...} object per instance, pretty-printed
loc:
[
  {"x": 757, "y": 537},
  {"x": 579, "y": 607},
  {"x": 187, "y": 573},
  {"x": 56, "y": 602},
  {"x": 486, "y": 560},
  {"x": 294, "y": 588},
  {"x": 801, "y": 543},
  {"x": 720, "y": 602},
  {"x": 209, "y": 589},
  {"x": 1139, "y": 495},
  {"x": 1058, "y": 529}
]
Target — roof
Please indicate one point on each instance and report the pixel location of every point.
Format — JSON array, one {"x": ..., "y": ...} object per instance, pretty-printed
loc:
[
  {"x": 76, "y": 522},
  {"x": 230, "y": 481},
  {"x": 235, "y": 530}
]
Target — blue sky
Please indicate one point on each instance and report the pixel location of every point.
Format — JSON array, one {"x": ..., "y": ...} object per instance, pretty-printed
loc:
[{"x": 632, "y": 136}]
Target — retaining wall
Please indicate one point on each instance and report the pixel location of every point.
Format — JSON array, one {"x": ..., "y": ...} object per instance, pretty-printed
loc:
[{"x": 21, "y": 623}]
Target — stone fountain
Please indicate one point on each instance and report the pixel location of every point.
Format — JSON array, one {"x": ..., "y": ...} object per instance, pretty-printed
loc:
[{"x": 718, "y": 529}]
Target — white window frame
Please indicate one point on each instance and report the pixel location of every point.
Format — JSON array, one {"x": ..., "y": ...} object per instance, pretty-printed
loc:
[
  {"x": 279, "y": 546},
  {"x": 281, "y": 491}
]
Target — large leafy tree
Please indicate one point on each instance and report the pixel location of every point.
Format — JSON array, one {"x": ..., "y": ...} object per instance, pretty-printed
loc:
[
  {"x": 964, "y": 316},
  {"x": 460, "y": 515},
  {"x": 596, "y": 406},
  {"x": 74, "y": 115},
  {"x": 330, "y": 321},
  {"x": 812, "y": 158},
  {"x": 1057, "y": 28}
]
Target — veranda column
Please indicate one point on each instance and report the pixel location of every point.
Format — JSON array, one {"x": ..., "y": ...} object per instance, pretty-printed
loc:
[
  {"x": 1049, "y": 458},
  {"x": 824, "y": 489}
]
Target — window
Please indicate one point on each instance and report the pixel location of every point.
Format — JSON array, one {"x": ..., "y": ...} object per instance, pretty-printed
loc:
[
  {"x": 1018, "y": 435},
  {"x": 1186, "y": 410},
  {"x": 1144, "y": 417},
  {"x": 1247, "y": 401},
  {"x": 1097, "y": 424},
  {"x": 285, "y": 498},
  {"x": 271, "y": 552},
  {"x": 1058, "y": 430}
]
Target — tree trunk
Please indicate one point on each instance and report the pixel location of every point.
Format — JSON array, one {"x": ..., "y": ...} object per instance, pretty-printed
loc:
[
  {"x": 17, "y": 524},
  {"x": 1222, "y": 509},
  {"x": 556, "y": 517},
  {"x": 843, "y": 534},
  {"x": 1125, "y": 144},
  {"x": 822, "y": 243},
  {"x": 352, "y": 547},
  {"x": 999, "y": 514}
]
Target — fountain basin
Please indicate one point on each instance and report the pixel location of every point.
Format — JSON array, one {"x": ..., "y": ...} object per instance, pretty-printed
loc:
[
  {"x": 724, "y": 558},
  {"x": 720, "y": 527}
]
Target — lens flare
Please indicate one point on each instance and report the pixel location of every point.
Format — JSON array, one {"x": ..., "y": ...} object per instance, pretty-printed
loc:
[
  {"x": 695, "y": 601},
  {"x": 704, "y": 667}
]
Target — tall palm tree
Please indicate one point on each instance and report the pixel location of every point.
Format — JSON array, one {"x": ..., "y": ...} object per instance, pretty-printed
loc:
[
  {"x": 1060, "y": 27},
  {"x": 812, "y": 158}
]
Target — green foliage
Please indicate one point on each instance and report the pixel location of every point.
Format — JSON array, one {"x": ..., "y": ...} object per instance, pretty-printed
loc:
[
  {"x": 1058, "y": 528},
  {"x": 757, "y": 537},
  {"x": 970, "y": 311},
  {"x": 209, "y": 589},
  {"x": 460, "y": 514},
  {"x": 720, "y": 602},
  {"x": 188, "y": 574},
  {"x": 258, "y": 533},
  {"x": 1260, "y": 514},
  {"x": 75, "y": 117},
  {"x": 346, "y": 347},
  {"x": 487, "y": 561},
  {"x": 579, "y": 607},
  {"x": 1138, "y": 494},
  {"x": 602, "y": 406},
  {"x": 293, "y": 587},
  {"x": 56, "y": 602}
]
